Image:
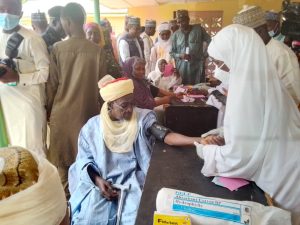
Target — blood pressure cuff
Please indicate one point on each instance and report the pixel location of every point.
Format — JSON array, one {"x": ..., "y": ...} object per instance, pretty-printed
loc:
[{"x": 159, "y": 131}]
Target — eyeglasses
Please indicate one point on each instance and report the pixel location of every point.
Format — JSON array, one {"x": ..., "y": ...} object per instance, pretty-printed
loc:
[{"x": 125, "y": 105}]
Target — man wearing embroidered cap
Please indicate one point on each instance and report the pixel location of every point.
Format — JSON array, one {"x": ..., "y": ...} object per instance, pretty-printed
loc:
[
  {"x": 115, "y": 148},
  {"x": 187, "y": 49},
  {"x": 22, "y": 91},
  {"x": 150, "y": 27},
  {"x": 283, "y": 57},
  {"x": 274, "y": 27},
  {"x": 131, "y": 44},
  {"x": 39, "y": 22}
]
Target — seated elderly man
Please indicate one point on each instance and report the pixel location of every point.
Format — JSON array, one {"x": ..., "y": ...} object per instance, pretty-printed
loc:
[
  {"x": 30, "y": 190},
  {"x": 114, "y": 148}
]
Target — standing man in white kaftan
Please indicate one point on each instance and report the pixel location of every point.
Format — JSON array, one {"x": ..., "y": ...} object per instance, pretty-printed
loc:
[
  {"x": 274, "y": 27},
  {"x": 150, "y": 27},
  {"x": 284, "y": 58},
  {"x": 22, "y": 93}
]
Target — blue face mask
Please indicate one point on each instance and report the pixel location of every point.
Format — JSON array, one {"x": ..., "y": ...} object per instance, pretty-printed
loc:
[
  {"x": 9, "y": 21},
  {"x": 271, "y": 33}
]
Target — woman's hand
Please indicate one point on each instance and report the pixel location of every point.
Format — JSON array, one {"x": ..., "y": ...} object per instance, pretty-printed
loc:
[
  {"x": 107, "y": 191},
  {"x": 178, "y": 95},
  {"x": 213, "y": 140},
  {"x": 184, "y": 56}
]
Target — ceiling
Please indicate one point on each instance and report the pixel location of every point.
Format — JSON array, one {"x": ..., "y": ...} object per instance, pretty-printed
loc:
[
  {"x": 31, "y": 6},
  {"x": 119, "y": 4}
]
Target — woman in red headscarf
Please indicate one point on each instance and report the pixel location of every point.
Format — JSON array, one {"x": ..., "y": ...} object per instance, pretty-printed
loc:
[{"x": 95, "y": 34}]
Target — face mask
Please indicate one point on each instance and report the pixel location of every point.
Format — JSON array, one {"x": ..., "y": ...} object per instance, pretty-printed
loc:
[
  {"x": 8, "y": 21},
  {"x": 221, "y": 75},
  {"x": 272, "y": 32}
]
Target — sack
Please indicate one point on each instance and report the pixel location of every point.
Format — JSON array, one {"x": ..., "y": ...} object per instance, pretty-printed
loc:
[{"x": 3, "y": 133}]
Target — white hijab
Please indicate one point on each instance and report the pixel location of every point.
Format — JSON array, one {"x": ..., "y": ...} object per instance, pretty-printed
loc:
[
  {"x": 162, "y": 48},
  {"x": 42, "y": 203},
  {"x": 164, "y": 44},
  {"x": 155, "y": 75},
  {"x": 262, "y": 123}
]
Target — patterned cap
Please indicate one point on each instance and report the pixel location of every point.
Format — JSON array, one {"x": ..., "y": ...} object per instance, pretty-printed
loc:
[
  {"x": 182, "y": 14},
  {"x": 272, "y": 15},
  {"x": 150, "y": 23},
  {"x": 134, "y": 21},
  {"x": 38, "y": 17},
  {"x": 250, "y": 16}
]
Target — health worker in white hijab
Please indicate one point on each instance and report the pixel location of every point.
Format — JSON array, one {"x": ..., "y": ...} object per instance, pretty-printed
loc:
[{"x": 261, "y": 125}]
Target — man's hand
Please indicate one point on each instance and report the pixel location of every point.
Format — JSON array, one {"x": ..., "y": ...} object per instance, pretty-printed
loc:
[
  {"x": 213, "y": 140},
  {"x": 106, "y": 188},
  {"x": 185, "y": 57},
  {"x": 10, "y": 76}
]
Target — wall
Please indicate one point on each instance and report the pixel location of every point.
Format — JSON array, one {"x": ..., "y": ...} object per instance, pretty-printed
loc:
[
  {"x": 229, "y": 7},
  {"x": 165, "y": 12}
]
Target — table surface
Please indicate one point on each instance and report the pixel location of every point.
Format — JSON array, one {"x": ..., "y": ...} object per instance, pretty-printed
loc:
[
  {"x": 196, "y": 103},
  {"x": 180, "y": 168}
]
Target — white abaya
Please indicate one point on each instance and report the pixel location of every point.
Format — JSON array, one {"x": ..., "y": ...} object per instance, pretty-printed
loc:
[{"x": 262, "y": 123}]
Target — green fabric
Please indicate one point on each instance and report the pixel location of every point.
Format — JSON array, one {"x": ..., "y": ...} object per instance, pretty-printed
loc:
[
  {"x": 190, "y": 71},
  {"x": 3, "y": 134}
]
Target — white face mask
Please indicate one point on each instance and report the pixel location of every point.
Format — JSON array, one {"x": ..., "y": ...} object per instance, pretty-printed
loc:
[{"x": 221, "y": 75}]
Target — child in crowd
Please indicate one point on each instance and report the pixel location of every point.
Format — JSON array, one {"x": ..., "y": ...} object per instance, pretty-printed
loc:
[{"x": 164, "y": 76}]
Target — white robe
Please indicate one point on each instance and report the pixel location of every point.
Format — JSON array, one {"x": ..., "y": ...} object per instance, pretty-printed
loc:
[
  {"x": 162, "y": 50},
  {"x": 148, "y": 44},
  {"x": 212, "y": 100},
  {"x": 262, "y": 123},
  {"x": 24, "y": 105},
  {"x": 287, "y": 66}
]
